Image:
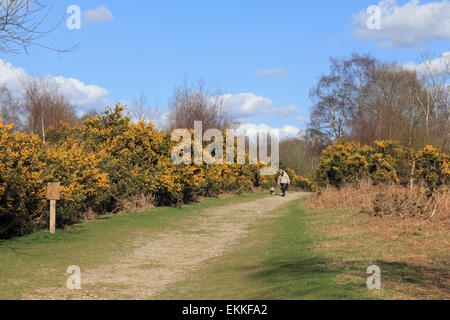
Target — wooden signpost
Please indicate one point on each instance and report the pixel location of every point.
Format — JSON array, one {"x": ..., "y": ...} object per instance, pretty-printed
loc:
[{"x": 53, "y": 195}]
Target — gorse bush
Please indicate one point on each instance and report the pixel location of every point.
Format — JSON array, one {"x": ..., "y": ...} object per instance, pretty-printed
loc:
[
  {"x": 343, "y": 163},
  {"x": 22, "y": 177},
  {"x": 433, "y": 167},
  {"x": 27, "y": 164},
  {"x": 299, "y": 182},
  {"x": 387, "y": 162},
  {"x": 81, "y": 177},
  {"x": 105, "y": 164},
  {"x": 133, "y": 155}
]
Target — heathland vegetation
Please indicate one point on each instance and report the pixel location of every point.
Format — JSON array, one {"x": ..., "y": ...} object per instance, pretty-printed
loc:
[
  {"x": 378, "y": 138},
  {"x": 105, "y": 164},
  {"x": 370, "y": 121}
]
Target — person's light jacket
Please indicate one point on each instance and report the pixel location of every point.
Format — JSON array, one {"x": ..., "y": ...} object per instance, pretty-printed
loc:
[{"x": 284, "y": 179}]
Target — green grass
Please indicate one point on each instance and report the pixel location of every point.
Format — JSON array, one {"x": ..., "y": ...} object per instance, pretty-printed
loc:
[
  {"x": 40, "y": 260},
  {"x": 293, "y": 257},
  {"x": 279, "y": 260}
]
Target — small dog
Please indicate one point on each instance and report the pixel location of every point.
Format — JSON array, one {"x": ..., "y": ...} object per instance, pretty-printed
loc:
[{"x": 272, "y": 190}]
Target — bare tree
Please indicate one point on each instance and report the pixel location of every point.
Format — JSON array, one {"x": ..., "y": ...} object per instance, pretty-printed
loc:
[
  {"x": 303, "y": 152},
  {"x": 434, "y": 100},
  {"x": 9, "y": 108},
  {"x": 368, "y": 100},
  {"x": 359, "y": 77},
  {"x": 45, "y": 106},
  {"x": 392, "y": 111},
  {"x": 329, "y": 112},
  {"x": 21, "y": 23},
  {"x": 141, "y": 108},
  {"x": 192, "y": 103}
]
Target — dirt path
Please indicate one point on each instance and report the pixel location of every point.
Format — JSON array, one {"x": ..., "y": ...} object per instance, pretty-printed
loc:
[{"x": 164, "y": 258}]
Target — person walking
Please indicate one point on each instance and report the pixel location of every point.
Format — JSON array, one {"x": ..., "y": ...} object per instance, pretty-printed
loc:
[{"x": 283, "y": 182}]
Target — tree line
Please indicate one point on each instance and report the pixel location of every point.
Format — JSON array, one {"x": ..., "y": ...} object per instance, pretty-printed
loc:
[
  {"x": 367, "y": 100},
  {"x": 39, "y": 106}
]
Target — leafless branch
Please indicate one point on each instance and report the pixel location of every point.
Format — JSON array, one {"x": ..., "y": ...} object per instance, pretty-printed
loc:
[{"x": 21, "y": 26}]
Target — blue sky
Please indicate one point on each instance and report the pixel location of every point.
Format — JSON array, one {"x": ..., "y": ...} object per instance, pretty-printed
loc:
[{"x": 265, "y": 54}]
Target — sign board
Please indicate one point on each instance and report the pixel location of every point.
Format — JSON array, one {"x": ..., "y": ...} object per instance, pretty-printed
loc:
[{"x": 53, "y": 191}]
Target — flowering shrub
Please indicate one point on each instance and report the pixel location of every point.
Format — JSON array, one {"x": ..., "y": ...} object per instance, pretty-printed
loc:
[
  {"x": 299, "y": 182},
  {"x": 388, "y": 162},
  {"x": 22, "y": 181},
  {"x": 82, "y": 181},
  {"x": 134, "y": 156},
  {"x": 433, "y": 167},
  {"x": 103, "y": 163},
  {"x": 26, "y": 165},
  {"x": 343, "y": 163}
]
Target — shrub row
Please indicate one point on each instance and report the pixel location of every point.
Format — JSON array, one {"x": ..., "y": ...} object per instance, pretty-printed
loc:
[{"x": 103, "y": 163}]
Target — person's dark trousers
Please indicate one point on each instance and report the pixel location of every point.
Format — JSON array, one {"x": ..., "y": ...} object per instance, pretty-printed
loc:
[{"x": 283, "y": 188}]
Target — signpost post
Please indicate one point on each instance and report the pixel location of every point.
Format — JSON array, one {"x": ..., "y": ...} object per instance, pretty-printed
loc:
[{"x": 53, "y": 195}]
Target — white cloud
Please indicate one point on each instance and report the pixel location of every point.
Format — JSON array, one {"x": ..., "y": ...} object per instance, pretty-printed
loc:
[
  {"x": 251, "y": 130},
  {"x": 11, "y": 77},
  {"x": 79, "y": 94},
  {"x": 248, "y": 104},
  {"x": 439, "y": 65},
  {"x": 290, "y": 132},
  {"x": 99, "y": 15},
  {"x": 411, "y": 24},
  {"x": 273, "y": 73}
]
